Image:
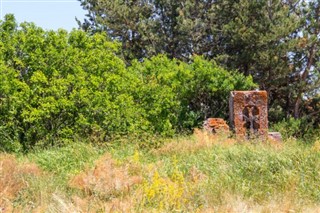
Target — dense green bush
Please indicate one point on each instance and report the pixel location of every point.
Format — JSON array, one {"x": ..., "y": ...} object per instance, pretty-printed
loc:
[
  {"x": 180, "y": 95},
  {"x": 58, "y": 85},
  {"x": 297, "y": 128}
]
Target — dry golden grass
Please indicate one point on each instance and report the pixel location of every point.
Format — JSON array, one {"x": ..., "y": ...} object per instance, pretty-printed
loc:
[
  {"x": 316, "y": 146},
  {"x": 61, "y": 203},
  {"x": 201, "y": 140},
  {"x": 196, "y": 176},
  {"x": 13, "y": 179},
  {"x": 169, "y": 181},
  {"x": 236, "y": 204},
  {"x": 107, "y": 178},
  {"x": 108, "y": 187}
]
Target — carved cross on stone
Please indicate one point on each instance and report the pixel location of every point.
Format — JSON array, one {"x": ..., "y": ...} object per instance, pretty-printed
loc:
[
  {"x": 249, "y": 113},
  {"x": 250, "y": 116}
]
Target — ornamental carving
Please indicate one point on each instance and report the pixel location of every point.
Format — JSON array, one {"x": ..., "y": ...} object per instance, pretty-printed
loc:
[{"x": 249, "y": 113}]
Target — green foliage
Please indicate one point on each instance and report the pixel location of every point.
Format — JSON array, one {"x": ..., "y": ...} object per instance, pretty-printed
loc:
[
  {"x": 275, "y": 41},
  {"x": 258, "y": 172},
  {"x": 58, "y": 86},
  {"x": 66, "y": 161},
  {"x": 297, "y": 128},
  {"x": 180, "y": 96}
]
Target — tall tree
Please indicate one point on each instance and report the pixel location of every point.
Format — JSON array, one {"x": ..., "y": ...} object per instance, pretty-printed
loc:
[
  {"x": 150, "y": 27},
  {"x": 275, "y": 41},
  {"x": 122, "y": 20},
  {"x": 306, "y": 56}
]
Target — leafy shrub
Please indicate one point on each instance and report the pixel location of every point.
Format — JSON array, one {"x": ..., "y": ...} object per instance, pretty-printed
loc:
[
  {"x": 297, "y": 128},
  {"x": 179, "y": 96},
  {"x": 57, "y": 85}
]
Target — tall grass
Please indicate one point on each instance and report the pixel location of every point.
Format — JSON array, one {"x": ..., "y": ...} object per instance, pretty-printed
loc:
[{"x": 203, "y": 173}]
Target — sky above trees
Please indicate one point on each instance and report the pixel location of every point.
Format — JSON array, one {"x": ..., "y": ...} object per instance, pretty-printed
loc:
[{"x": 48, "y": 14}]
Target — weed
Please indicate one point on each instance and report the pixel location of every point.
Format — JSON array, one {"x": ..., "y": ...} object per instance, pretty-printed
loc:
[{"x": 171, "y": 193}]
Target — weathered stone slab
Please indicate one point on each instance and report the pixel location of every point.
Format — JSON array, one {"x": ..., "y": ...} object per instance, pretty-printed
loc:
[
  {"x": 215, "y": 125},
  {"x": 249, "y": 113}
]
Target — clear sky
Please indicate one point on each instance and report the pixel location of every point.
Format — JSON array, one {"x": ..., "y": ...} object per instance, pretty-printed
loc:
[{"x": 48, "y": 14}]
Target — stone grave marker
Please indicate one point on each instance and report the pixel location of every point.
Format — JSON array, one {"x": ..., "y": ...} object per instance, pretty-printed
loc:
[{"x": 248, "y": 113}]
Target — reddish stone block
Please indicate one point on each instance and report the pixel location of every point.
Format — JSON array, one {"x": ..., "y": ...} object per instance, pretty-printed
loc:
[
  {"x": 216, "y": 125},
  {"x": 249, "y": 113}
]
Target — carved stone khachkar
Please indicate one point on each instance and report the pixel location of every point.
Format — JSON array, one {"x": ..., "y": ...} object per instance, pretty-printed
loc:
[{"x": 249, "y": 113}]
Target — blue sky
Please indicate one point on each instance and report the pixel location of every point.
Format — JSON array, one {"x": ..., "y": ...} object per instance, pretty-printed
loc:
[{"x": 48, "y": 14}]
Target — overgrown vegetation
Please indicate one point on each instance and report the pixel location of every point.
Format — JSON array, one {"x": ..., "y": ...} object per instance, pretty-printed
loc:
[
  {"x": 95, "y": 120},
  {"x": 201, "y": 173},
  {"x": 59, "y": 86}
]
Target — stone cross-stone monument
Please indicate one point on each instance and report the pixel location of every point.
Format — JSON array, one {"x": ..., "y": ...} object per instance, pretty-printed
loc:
[{"x": 249, "y": 113}]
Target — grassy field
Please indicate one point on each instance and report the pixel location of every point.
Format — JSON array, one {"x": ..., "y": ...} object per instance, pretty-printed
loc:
[{"x": 200, "y": 173}]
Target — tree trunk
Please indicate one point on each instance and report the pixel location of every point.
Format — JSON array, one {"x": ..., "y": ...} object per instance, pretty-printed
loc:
[
  {"x": 306, "y": 71},
  {"x": 297, "y": 107}
]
